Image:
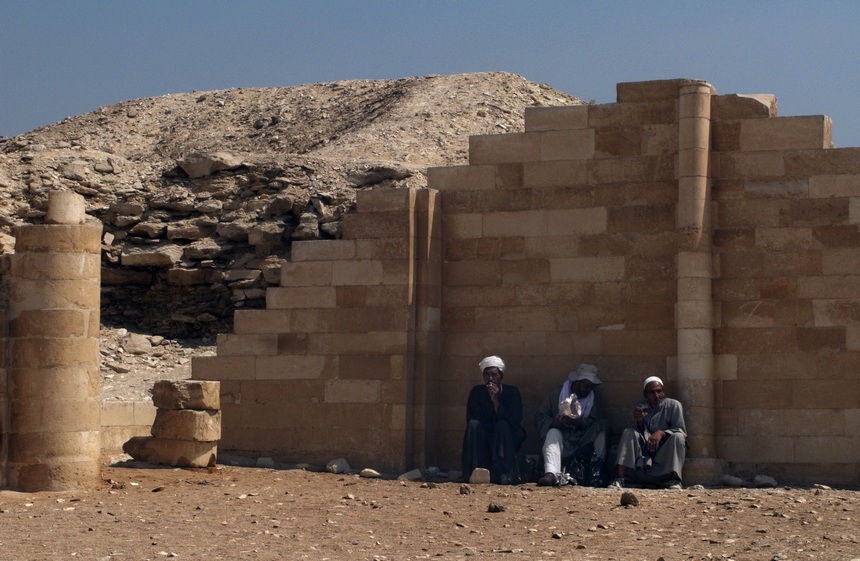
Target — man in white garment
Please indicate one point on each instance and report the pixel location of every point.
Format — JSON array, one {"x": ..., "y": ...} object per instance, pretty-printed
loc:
[
  {"x": 653, "y": 452},
  {"x": 564, "y": 436}
]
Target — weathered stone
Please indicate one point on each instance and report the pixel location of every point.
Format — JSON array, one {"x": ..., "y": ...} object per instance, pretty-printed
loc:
[
  {"x": 235, "y": 231},
  {"x": 338, "y": 465},
  {"x": 186, "y": 424},
  {"x": 187, "y": 394},
  {"x": 161, "y": 256},
  {"x": 163, "y": 451},
  {"x": 479, "y": 476},
  {"x": 413, "y": 475},
  {"x": 136, "y": 344},
  {"x": 149, "y": 229},
  {"x": 764, "y": 481},
  {"x": 369, "y": 473},
  {"x": 203, "y": 164}
]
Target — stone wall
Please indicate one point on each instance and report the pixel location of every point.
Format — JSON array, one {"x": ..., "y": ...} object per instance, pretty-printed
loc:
[
  {"x": 343, "y": 359},
  {"x": 676, "y": 232}
]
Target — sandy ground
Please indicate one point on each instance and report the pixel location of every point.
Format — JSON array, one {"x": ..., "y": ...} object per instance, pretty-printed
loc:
[{"x": 251, "y": 513}]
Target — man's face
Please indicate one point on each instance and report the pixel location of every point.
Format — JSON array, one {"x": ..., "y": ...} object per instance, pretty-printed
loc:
[
  {"x": 493, "y": 375},
  {"x": 654, "y": 394},
  {"x": 582, "y": 388}
]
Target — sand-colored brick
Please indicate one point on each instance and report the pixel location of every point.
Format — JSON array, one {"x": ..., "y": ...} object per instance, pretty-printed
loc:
[
  {"x": 223, "y": 367},
  {"x": 586, "y": 269},
  {"x": 756, "y": 449},
  {"x": 186, "y": 424},
  {"x": 58, "y": 266},
  {"x": 301, "y": 297},
  {"x": 238, "y": 344},
  {"x": 751, "y": 165},
  {"x": 322, "y": 250},
  {"x": 386, "y": 342},
  {"x": 843, "y": 185},
  {"x": 261, "y": 321},
  {"x": 372, "y": 296},
  {"x": 786, "y": 133},
  {"x": 306, "y": 273},
  {"x": 505, "y": 148},
  {"x": 353, "y": 391},
  {"x": 59, "y": 238},
  {"x": 377, "y": 225},
  {"x": 827, "y": 449},
  {"x": 555, "y": 118},
  {"x": 567, "y": 145},
  {"x": 291, "y": 367},
  {"x": 462, "y": 178}
]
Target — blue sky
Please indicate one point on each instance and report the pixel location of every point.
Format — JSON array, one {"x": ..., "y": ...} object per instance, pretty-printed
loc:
[{"x": 66, "y": 57}]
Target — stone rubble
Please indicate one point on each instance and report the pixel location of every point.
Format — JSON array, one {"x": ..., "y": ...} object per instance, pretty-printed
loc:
[{"x": 202, "y": 194}]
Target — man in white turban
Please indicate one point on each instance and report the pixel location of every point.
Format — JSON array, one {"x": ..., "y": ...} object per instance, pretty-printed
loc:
[
  {"x": 653, "y": 452},
  {"x": 494, "y": 432},
  {"x": 566, "y": 433}
]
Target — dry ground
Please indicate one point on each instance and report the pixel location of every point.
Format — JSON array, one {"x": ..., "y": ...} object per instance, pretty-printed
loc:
[{"x": 250, "y": 513}]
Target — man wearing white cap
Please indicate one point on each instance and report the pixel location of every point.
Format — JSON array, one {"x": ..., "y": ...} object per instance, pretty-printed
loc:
[
  {"x": 494, "y": 432},
  {"x": 565, "y": 432},
  {"x": 654, "y": 451}
]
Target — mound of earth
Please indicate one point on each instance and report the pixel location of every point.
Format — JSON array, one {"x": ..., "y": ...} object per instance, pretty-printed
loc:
[{"x": 201, "y": 194}]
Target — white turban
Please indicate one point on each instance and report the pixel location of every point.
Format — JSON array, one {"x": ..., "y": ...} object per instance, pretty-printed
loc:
[
  {"x": 585, "y": 372},
  {"x": 651, "y": 379},
  {"x": 492, "y": 361}
]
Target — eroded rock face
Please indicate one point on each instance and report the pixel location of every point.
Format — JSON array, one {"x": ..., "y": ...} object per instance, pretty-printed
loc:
[{"x": 202, "y": 194}]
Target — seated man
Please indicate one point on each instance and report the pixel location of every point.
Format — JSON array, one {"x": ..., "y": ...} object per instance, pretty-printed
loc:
[
  {"x": 494, "y": 414},
  {"x": 563, "y": 437},
  {"x": 654, "y": 451}
]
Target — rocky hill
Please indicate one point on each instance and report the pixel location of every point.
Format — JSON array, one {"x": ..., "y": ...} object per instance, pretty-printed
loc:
[{"x": 202, "y": 193}]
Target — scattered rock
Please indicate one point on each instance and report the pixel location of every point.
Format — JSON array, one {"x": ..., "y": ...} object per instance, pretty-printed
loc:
[
  {"x": 479, "y": 476},
  {"x": 465, "y": 489},
  {"x": 731, "y": 481},
  {"x": 339, "y": 465},
  {"x": 369, "y": 473},
  {"x": 764, "y": 481},
  {"x": 495, "y": 507},
  {"x": 628, "y": 498}
]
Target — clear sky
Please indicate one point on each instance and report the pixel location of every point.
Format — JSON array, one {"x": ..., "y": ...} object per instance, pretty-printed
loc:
[{"x": 66, "y": 57}]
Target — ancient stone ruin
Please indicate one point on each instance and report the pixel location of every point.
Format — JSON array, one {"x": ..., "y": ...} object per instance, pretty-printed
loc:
[
  {"x": 186, "y": 428},
  {"x": 676, "y": 232}
]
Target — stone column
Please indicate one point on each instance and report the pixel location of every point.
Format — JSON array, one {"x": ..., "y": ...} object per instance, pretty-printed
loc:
[
  {"x": 694, "y": 309},
  {"x": 53, "y": 358}
]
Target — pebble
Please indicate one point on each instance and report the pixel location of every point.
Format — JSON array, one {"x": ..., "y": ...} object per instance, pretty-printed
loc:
[
  {"x": 628, "y": 498},
  {"x": 495, "y": 507}
]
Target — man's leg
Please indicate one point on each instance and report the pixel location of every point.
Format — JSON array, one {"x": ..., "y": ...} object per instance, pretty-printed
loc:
[{"x": 553, "y": 445}]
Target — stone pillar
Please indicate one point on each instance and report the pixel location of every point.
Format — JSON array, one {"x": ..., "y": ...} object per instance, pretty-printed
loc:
[
  {"x": 53, "y": 351},
  {"x": 694, "y": 308}
]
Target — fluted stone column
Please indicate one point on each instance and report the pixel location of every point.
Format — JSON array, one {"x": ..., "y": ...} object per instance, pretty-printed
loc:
[
  {"x": 53, "y": 351},
  {"x": 694, "y": 310}
]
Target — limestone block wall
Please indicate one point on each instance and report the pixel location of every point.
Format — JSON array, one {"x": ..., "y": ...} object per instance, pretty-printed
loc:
[
  {"x": 342, "y": 361},
  {"x": 786, "y": 252},
  {"x": 676, "y": 232},
  {"x": 559, "y": 247}
]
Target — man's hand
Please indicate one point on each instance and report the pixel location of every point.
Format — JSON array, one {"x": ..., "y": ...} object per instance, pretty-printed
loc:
[
  {"x": 564, "y": 422},
  {"x": 493, "y": 390},
  {"x": 655, "y": 439}
]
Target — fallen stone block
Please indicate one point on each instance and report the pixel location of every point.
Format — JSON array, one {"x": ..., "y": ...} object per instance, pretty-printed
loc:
[
  {"x": 169, "y": 452},
  {"x": 187, "y": 394},
  {"x": 186, "y": 424}
]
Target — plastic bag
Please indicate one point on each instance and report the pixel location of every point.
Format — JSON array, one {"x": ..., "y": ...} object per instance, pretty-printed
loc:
[{"x": 570, "y": 407}]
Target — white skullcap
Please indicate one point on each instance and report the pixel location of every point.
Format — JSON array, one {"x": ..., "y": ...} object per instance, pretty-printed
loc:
[
  {"x": 585, "y": 372},
  {"x": 650, "y": 379},
  {"x": 492, "y": 361}
]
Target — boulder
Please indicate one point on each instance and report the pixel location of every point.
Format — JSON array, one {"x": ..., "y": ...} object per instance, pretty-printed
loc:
[
  {"x": 200, "y": 395},
  {"x": 167, "y": 452},
  {"x": 202, "y": 164},
  {"x": 186, "y": 424}
]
